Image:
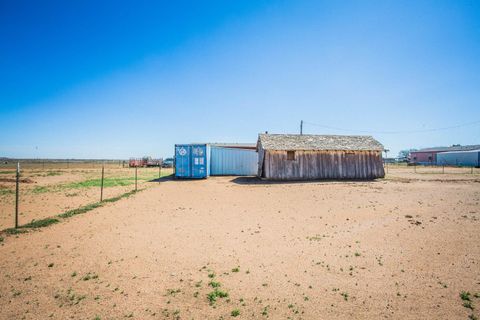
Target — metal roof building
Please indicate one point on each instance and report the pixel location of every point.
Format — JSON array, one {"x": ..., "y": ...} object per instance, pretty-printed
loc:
[
  {"x": 429, "y": 155},
  {"x": 469, "y": 158}
]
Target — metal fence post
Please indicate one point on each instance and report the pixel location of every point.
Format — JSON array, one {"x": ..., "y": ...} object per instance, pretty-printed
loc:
[
  {"x": 159, "y": 172},
  {"x": 17, "y": 194},
  {"x": 136, "y": 178},
  {"x": 101, "y": 184}
]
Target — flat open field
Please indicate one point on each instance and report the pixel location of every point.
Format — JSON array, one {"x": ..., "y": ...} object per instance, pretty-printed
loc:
[
  {"x": 404, "y": 247},
  {"x": 53, "y": 190}
]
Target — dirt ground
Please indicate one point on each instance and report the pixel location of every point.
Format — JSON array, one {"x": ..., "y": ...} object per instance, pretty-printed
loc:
[
  {"x": 48, "y": 192},
  {"x": 403, "y": 247}
]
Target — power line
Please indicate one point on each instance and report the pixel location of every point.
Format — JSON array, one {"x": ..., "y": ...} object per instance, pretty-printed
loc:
[{"x": 394, "y": 132}]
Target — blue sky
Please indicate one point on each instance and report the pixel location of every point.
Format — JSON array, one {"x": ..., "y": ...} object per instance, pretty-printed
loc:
[{"x": 85, "y": 79}]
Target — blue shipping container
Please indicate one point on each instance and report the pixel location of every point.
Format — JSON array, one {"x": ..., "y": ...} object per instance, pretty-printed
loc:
[
  {"x": 233, "y": 162},
  {"x": 192, "y": 161}
]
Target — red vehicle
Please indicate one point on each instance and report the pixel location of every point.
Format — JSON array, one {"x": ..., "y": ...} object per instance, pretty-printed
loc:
[{"x": 144, "y": 162}]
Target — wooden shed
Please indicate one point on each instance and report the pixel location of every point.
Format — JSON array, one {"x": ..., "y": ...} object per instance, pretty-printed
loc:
[{"x": 310, "y": 157}]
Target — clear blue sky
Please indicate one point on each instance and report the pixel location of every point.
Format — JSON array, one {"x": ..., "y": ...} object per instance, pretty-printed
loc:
[{"x": 113, "y": 79}]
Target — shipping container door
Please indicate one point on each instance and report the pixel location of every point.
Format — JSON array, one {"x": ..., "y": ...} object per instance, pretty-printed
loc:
[
  {"x": 199, "y": 161},
  {"x": 182, "y": 161}
]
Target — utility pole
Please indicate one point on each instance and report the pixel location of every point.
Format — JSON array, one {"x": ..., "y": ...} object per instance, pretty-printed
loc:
[{"x": 301, "y": 127}]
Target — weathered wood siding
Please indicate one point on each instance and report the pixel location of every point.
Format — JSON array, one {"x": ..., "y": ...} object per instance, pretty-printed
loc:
[{"x": 310, "y": 165}]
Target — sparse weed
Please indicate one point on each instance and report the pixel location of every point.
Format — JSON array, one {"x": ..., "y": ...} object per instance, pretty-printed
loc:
[
  {"x": 89, "y": 276},
  {"x": 235, "y": 313},
  {"x": 214, "y": 284},
  {"x": 465, "y": 296},
  {"x": 40, "y": 223},
  {"x": 40, "y": 189},
  {"x": 173, "y": 292},
  {"x": 468, "y": 305},
  {"x": 265, "y": 311},
  {"x": 212, "y": 296}
]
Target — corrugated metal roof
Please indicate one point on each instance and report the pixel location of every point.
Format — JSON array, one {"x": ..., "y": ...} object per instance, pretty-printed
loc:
[
  {"x": 234, "y": 145},
  {"x": 318, "y": 142},
  {"x": 452, "y": 148},
  {"x": 462, "y": 151}
]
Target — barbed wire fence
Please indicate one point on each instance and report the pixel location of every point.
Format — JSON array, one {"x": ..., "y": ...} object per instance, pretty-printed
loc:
[{"x": 21, "y": 171}]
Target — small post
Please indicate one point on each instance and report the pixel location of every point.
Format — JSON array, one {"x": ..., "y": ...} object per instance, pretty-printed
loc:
[
  {"x": 386, "y": 159},
  {"x": 301, "y": 127},
  {"x": 136, "y": 179},
  {"x": 159, "y": 172},
  {"x": 101, "y": 184},
  {"x": 17, "y": 194},
  {"x": 472, "y": 170}
]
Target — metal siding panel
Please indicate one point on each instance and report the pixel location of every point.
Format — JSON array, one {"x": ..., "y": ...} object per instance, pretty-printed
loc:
[
  {"x": 465, "y": 158},
  {"x": 233, "y": 161}
]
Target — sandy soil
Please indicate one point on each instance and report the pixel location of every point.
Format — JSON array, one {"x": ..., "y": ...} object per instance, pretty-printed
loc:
[
  {"x": 395, "y": 248},
  {"x": 57, "y": 198}
]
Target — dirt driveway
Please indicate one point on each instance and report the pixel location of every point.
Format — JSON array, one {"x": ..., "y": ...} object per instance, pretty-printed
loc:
[{"x": 236, "y": 247}]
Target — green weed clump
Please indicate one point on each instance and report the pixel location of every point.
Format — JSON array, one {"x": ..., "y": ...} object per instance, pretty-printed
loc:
[
  {"x": 14, "y": 231},
  {"x": 40, "y": 189},
  {"x": 40, "y": 223},
  {"x": 5, "y": 191},
  {"x": 125, "y": 195},
  {"x": 465, "y": 296},
  {"x": 80, "y": 210},
  {"x": 212, "y": 296}
]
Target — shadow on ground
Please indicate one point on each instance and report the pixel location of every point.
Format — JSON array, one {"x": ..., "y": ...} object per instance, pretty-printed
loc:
[{"x": 258, "y": 181}]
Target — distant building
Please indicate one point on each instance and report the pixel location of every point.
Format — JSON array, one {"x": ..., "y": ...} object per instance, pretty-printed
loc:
[
  {"x": 459, "y": 158},
  {"x": 428, "y": 156},
  {"x": 309, "y": 157}
]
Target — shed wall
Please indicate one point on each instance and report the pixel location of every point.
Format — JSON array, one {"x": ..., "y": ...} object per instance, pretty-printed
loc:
[
  {"x": 309, "y": 165},
  {"x": 233, "y": 162}
]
